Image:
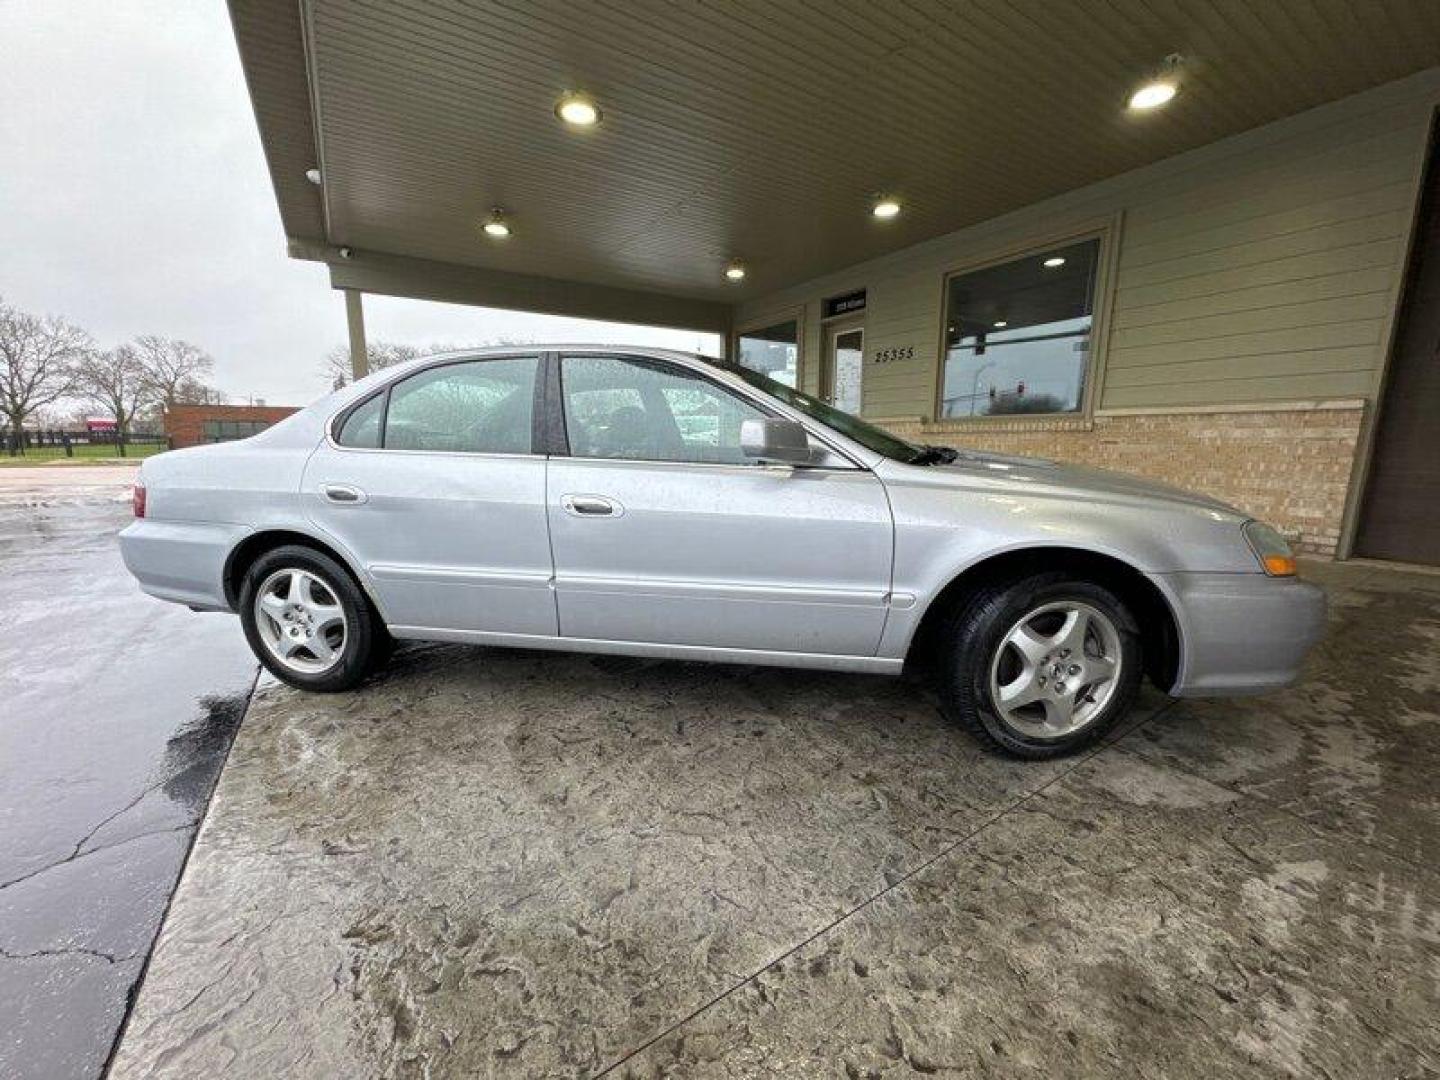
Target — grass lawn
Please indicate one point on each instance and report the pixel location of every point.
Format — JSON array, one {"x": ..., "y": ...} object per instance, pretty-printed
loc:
[{"x": 103, "y": 454}]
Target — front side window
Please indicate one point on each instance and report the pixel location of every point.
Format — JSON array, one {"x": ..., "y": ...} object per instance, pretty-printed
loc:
[
  {"x": 773, "y": 351},
  {"x": 1018, "y": 335},
  {"x": 643, "y": 410},
  {"x": 476, "y": 407}
]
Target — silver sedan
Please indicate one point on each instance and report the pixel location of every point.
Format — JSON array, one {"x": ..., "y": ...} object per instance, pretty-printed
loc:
[{"x": 652, "y": 503}]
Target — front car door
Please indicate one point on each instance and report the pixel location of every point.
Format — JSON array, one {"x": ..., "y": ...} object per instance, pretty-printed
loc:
[
  {"x": 433, "y": 485},
  {"x": 663, "y": 531}
]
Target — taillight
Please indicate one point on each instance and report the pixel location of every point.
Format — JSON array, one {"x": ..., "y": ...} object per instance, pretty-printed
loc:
[{"x": 137, "y": 500}]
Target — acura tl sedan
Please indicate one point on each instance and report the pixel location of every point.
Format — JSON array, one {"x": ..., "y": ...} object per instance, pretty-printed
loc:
[{"x": 659, "y": 504}]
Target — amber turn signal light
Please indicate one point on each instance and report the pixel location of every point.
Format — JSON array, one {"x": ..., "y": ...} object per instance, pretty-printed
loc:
[
  {"x": 1271, "y": 550},
  {"x": 1280, "y": 565}
]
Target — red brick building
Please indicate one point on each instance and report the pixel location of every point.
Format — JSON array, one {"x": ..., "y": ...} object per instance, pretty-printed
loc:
[{"x": 195, "y": 425}]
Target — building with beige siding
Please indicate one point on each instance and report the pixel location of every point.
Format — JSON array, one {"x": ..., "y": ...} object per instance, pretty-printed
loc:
[
  {"x": 1237, "y": 291},
  {"x": 1242, "y": 309}
]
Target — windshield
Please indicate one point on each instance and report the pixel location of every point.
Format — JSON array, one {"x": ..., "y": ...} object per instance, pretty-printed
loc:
[{"x": 867, "y": 435}]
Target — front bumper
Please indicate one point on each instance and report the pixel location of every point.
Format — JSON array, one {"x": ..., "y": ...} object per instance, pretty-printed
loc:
[
  {"x": 1241, "y": 633},
  {"x": 182, "y": 561}
]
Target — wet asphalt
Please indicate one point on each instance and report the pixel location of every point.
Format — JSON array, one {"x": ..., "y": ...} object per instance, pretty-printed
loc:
[{"x": 116, "y": 713}]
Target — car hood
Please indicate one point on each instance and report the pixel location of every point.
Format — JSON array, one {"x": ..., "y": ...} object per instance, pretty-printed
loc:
[{"x": 1041, "y": 476}]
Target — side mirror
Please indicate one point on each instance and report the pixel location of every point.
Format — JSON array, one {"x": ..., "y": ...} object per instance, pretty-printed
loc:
[{"x": 775, "y": 440}]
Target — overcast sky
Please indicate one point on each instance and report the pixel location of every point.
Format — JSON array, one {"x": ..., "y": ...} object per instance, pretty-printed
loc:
[{"x": 134, "y": 199}]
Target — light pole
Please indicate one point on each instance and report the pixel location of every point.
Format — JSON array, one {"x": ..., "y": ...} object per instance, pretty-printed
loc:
[{"x": 975, "y": 388}]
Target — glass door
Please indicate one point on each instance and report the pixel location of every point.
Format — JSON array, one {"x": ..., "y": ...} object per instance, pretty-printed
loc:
[{"x": 844, "y": 361}]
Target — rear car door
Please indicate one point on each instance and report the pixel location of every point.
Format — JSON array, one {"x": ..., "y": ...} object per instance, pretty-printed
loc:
[
  {"x": 433, "y": 485},
  {"x": 664, "y": 532}
]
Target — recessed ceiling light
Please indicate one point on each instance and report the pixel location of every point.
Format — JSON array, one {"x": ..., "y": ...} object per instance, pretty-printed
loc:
[
  {"x": 735, "y": 272},
  {"x": 313, "y": 175},
  {"x": 1054, "y": 261},
  {"x": 497, "y": 225},
  {"x": 578, "y": 110},
  {"x": 1153, "y": 94},
  {"x": 1163, "y": 84},
  {"x": 885, "y": 208},
  {"x": 1000, "y": 324}
]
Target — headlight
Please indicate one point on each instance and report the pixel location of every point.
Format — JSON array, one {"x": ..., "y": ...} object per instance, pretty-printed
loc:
[{"x": 1275, "y": 556}]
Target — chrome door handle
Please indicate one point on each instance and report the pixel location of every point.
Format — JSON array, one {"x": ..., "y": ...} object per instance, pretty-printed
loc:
[
  {"x": 343, "y": 494},
  {"x": 590, "y": 506}
]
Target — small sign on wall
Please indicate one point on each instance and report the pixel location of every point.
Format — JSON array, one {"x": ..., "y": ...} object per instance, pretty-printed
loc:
[{"x": 848, "y": 304}]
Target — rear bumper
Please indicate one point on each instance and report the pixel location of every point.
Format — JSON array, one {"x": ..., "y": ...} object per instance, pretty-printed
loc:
[
  {"x": 1242, "y": 633},
  {"x": 182, "y": 561}
]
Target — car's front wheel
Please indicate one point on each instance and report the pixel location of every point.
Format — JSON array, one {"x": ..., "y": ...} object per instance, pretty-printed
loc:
[
  {"x": 307, "y": 621},
  {"x": 1041, "y": 666}
]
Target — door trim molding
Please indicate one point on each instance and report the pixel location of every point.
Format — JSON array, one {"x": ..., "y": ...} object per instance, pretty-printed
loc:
[{"x": 873, "y": 665}]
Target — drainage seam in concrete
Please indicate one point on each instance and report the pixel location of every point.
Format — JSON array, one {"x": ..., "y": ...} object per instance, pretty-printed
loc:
[
  {"x": 1105, "y": 744},
  {"x": 139, "y": 983}
]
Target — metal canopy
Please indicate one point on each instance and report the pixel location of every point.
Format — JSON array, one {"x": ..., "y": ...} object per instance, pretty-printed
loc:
[{"x": 759, "y": 131}]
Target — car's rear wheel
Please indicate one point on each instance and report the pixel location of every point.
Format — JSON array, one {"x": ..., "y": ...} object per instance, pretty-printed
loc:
[
  {"x": 1041, "y": 666},
  {"x": 307, "y": 621}
]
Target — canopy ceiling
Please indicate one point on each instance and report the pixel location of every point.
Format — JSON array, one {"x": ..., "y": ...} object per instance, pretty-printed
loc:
[{"x": 758, "y": 130}]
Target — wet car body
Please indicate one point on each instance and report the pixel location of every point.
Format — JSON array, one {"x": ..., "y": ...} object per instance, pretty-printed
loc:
[{"x": 834, "y": 561}]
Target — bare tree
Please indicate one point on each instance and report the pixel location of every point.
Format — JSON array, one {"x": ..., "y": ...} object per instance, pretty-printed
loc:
[
  {"x": 381, "y": 354},
  {"x": 195, "y": 392},
  {"x": 171, "y": 365},
  {"x": 37, "y": 358},
  {"x": 115, "y": 382},
  {"x": 384, "y": 354}
]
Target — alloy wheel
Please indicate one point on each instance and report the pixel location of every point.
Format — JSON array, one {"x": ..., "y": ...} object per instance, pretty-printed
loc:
[
  {"x": 1056, "y": 669},
  {"x": 301, "y": 621}
]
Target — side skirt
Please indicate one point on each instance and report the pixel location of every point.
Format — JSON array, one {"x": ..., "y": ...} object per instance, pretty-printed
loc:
[{"x": 871, "y": 665}]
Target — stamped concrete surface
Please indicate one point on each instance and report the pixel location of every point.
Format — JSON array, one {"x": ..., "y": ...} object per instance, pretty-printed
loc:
[
  {"x": 115, "y": 714},
  {"x": 518, "y": 864}
]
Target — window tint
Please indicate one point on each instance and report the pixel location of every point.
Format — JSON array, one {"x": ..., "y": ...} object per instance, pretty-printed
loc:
[
  {"x": 481, "y": 406},
  {"x": 648, "y": 411},
  {"x": 1017, "y": 335},
  {"x": 362, "y": 426},
  {"x": 773, "y": 351}
]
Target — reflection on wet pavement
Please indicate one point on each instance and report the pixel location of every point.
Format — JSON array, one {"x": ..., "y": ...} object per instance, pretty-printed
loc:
[{"x": 117, "y": 714}]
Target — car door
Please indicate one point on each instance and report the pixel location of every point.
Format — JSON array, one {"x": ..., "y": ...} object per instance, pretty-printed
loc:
[
  {"x": 663, "y": 531},
  {"x": 433, "y": 486}
]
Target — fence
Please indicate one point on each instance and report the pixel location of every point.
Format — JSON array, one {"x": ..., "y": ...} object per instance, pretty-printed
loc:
[{"x": 66, "y": 440}]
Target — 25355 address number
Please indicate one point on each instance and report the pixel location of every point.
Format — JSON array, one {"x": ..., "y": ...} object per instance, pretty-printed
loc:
[{"x": 898, "y": 352}]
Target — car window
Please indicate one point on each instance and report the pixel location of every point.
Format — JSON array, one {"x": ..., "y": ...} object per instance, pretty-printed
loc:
[
  {"x": 646, "y": 410},
  {"x": 479, "y": 406},
  {"x": 362, "y": 426}
]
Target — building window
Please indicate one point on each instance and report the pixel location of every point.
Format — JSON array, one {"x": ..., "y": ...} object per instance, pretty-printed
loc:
[
  {"x": 773, "y": 351},
  {"x": 228, "y": 430},
  {"x": 1018, "y": 335}
]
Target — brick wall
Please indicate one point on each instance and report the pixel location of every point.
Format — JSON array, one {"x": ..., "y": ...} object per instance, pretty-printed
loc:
[
  {"x": 185, "y": 424},
  {"x": 1289, "y": 465}
]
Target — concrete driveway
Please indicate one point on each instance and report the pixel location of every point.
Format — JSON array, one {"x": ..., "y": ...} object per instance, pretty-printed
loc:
[
  {"x": 518, "y": 864},
  {"x": 115, "y": 715}
]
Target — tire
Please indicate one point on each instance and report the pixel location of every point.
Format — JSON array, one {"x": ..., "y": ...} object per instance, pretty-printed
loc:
[
  {"x": 300, "y": 601},
  {"x": 1015, "y": 641}
]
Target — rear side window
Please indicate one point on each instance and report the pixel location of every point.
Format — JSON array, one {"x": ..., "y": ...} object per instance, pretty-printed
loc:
[
  {"x": 476, "y": 407},
  {"x": 362, "y": 426}
]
